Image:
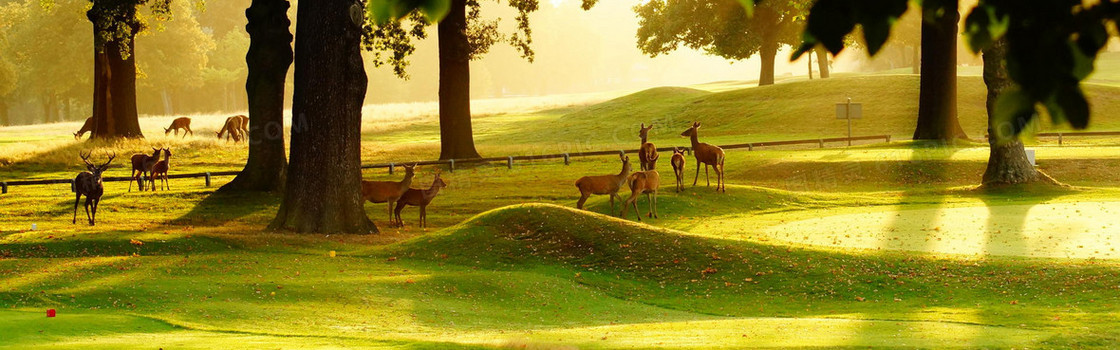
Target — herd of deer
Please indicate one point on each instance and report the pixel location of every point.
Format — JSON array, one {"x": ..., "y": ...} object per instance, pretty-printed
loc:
[
  {"x": 648, "y": 180},
  {"x": 145, "y": 167},
  {"x": 235, "y": 127},
  {"x": 398, "y": 195}
]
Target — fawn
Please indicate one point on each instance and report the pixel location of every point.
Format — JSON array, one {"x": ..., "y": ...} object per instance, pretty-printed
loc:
[
  {"x": 603, "y": 184},
  {"x": 648, "y": 150},
  {"x": 678, "y": 167},
  {"x": 179, "y": 123},
  {"x": 388, "y": 191},
  {"x": 159, "y": 171},
  {"x": 419, "y": 198},
  {"x": 142, "y": 165},
  {"x": 232, "y": 128},
  {"x": 86, "y": 127},
  {"x": 88, "y": 183},
  {"x": 646, "y": 182},
  {"x": 708, "y": 155}
]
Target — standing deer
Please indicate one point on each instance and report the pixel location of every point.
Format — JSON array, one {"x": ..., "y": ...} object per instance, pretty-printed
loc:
[
  {"x": 232, "y": 128},
  {"x": 244, "y": 125},
  {"x": 646, "y": 182},
  {"x": 708, "y": 155},
  {"x": 419, "y": 198},
  {"x": 142, "y": 165},
  {"x": 159, "y": 171},
  {"x": 86, "y": 127},
  {"x": 648, "y": 150},
  {"x": 88, "y": 183},
  {"x": 388, "y": 191},
  {"x": 603, "y": 184},
  {"x": 179, "y": 123},
  {"x": 678, "y": 167}
]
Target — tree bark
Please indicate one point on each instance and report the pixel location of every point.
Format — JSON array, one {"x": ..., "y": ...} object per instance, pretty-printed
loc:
[
  {"x": 455, "y": 131},
  {"x": 937, "y": 99},
  {"x": 322, "y": 191},
  {"x": 1007, "y": 160},
  {"x": 268, "y": 60},
  {"x": 822, "y": 62},
  {"x": 114, "y": 88},
  {"x": 767, "y": 52}
]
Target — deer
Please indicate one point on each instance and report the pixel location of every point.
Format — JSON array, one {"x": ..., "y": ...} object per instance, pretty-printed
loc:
[
  {"x": 244, "y": 125},
  {"x": 648, "y": 150},
  {"x": 86, "y": 127},
  {"x": 142, "y": 165},
  {"x": 678, "y": 167},
  {"x": 232, "y": 128},
  {"x": 88, "y": 183},
  {"x": 388, "y": 191},
  {"x": 708, "y": 155},
  {"x": 643, "y": 182},
  {"x": 159, "y": 171},
  {"x": 419, "y": 198},
  {"x": 179, "y": 123},
  {"x": 603, "y": 184}
]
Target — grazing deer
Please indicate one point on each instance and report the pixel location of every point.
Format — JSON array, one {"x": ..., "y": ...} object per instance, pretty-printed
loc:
[
  {"x": 232, "y": 128},
  {"x": 419, "y": 198},
  {"x": 678, "y": 167},
  {"x": 388, "y": 191},
  {"x": 86, "y": 127},
  {"x": 179, "y": 123},
  {"x": 159, "y": 171},
  {"x": 244, "y": 125},
  {"x": 603, "y": 184},
  {"x": 648, "y": 150},
  {"x": 142, "y": 165},
  {"x": 708, "y": 155},
  {"x": 646, "y": 182},
  {"x": 88, "y": 183}
]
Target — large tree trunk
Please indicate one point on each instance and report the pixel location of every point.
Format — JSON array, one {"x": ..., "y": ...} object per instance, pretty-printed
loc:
[
  {"x": 768, "y": 52},
  {"x": 1007, "y": 162},
  {"x": 270, "y": 55},
  {"x": 114, "y": 78},
  {"x": 455, "y": 131},
  {"x": 822, "y": 61},
  {"x": 937, "y": 99},
  {"x": 322, "y": 194}
]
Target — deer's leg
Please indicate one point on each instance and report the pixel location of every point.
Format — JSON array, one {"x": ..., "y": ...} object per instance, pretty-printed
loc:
[
  {"x": 423, "y": 216},
  {"x": 583, "y": 199},
  {"x": 89, "y": 203},
  {"x": 397, "y": 213},
  {"x": 390, "y": 212},
  {"x": 709, "y": 181},
  {"x": 96, "y": 202},
  {"x": 77, "y": 196},
  {"x": 654, "y": 205},
  {"x": 130, "y": 182},
  {"x": 649, "y": 200},
  {"x": 697, "y": 177}
]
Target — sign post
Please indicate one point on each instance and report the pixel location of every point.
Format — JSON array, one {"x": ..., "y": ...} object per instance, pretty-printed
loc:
[{"x": 849, "y": 111}]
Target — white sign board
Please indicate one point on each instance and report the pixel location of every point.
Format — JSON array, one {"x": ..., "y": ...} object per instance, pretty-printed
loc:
[{"x": 849, "y": 111}]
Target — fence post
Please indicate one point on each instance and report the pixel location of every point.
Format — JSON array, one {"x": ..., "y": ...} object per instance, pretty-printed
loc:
[
  {"x": 888, "y": 138},
  {"x": 821, "y": 142},
  {"x": 452, "y": 162},
  {"x": 509, "y": 162},
  {"x": 567, "y": 159},
  {"x": 207, "y": 179},
  {"x": 1059, "y": 139},
  {"x": 750, "y": 146},
  {"x": 73, "y": 188},
  {"x": 391, "y": 166},
  {"x": 3, "y": 188}
]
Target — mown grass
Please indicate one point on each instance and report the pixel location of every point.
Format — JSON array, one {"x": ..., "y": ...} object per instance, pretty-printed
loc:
[{"x": 839, "y": 247}]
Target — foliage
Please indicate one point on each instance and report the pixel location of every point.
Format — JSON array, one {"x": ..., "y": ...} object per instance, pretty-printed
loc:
[
  {"x": 177, "y": 56},
  {"x": 1052, "y": 46},
  {"x": 719, "y": 27}
]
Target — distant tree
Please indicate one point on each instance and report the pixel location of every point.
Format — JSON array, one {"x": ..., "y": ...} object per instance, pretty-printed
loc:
[
  {"x": 51, "y": 73},
  {"x": 176, "y": 54},
  {"x": 226, "y": 64},
  {"x": 268, "y": 59},
  {"x": 9, "y": 77},
  {"x": 463, "y": 36},
  {"x": 723, "y": 28}
]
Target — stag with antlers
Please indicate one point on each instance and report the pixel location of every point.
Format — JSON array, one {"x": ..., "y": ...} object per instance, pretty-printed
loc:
[{"x": 88, "y": 183}]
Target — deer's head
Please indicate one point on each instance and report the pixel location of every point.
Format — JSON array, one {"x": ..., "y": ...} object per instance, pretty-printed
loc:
[
  {"x": 625, "y": 162},
  {"x": 677, "y": 151},
  {"x": 410, "y": 170},
  {"x": 643, "y": 132},
  {"x": 438, "y": 182},
  {"x": 691, "y": 130},
  {"x": 96, "y": 170}
]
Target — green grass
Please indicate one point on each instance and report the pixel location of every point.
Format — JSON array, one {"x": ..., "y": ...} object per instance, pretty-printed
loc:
[{"x": 878, "y": 245}]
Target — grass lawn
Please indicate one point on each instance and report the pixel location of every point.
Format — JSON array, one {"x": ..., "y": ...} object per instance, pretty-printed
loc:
[{"x": 878, "y": 245}]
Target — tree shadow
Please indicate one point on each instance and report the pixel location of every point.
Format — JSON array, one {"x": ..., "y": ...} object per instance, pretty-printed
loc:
[{"x": 220, "y": 208}]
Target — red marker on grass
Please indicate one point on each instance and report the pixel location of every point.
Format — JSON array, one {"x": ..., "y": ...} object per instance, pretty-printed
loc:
[{"x": 50, "y": 313}]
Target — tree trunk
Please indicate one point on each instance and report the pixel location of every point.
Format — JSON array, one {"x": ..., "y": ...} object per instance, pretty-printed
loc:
[
  {"x": 809, "y": 57},
  {"x": 916, "y": 60},
  {"x": 822, "y": 62},
  {"x": 114, "y": 88},
  {"x": 4, "y": 121},
  {"x": 270, "y": 55},
  {"x": 455, "y": 132},
  {"x": 48, "y": 110},
  {"x": 768, "y": 52},
  {"x": 1007, "y": 162},
  {"x": 937, "y": 99},
  {"x": 322, "y": 192}
]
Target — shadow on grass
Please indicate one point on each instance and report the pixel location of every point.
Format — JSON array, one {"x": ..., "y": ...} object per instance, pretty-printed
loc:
[
  {"x": 115, "y": 243},
  {"x": 220, "y": 208}
]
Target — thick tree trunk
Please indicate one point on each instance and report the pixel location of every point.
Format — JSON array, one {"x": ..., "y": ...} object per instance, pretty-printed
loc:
[
  {"x": 270, "y": 55},
  {"x": 1007, "y": 162},
  {"x": 114, "y": 87},
  {"x": 822, "y": 62},
  {"x": 322, "y": 193},
  {"x": 937, "y": 99},
  {"x": 768, "y": 52},
  {"x": 455, "y": 131}
]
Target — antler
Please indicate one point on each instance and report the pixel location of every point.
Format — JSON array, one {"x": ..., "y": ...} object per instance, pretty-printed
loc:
[
  {"x": 114, "y": 155},
  {"x": 85, "y": 157}
]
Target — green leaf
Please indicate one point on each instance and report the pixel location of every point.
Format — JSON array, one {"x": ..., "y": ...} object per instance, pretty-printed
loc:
[
  {"x": 384, "y": 11},
  {"x": 1074, "y": 107},
  {"x": 748, "y": 6},
  {"x": 1014, "y": 110}
]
